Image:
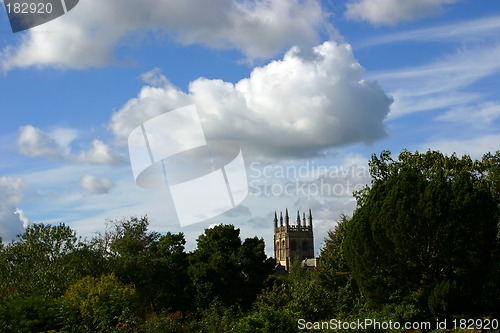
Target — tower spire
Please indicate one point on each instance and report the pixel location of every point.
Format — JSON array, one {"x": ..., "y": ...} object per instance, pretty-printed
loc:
[{"x": 294, "y": 242}]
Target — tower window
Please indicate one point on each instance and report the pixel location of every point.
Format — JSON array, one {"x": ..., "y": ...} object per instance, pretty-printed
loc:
[
  {"x": 304, "y": 246},
  {"x": 294, "y": 245}
]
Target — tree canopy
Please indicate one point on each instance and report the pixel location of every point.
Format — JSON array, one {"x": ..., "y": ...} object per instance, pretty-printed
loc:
[
  {"x": 227, "y": 270},
  {"x": 423, "y": 243},
  {"x": 426, "y": 229}
]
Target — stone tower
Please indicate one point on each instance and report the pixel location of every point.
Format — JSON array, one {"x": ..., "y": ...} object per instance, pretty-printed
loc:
[{"x": 293, "y": 241}]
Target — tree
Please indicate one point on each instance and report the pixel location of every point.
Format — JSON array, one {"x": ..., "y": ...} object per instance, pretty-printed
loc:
[
  {"x": 29, "y": 314},
  {"x": 127, "y": 245},
  {"x": 131, "y": 236},
  {"x": 99, "y": 304},
  {"x": 334, "y": 273},
  {"x": 168, "y": 280},
  {"x": 156, "y": 265},
  {"x": 45, "y": 261},
  {"x": 224, "y": 269},
  {"x": 426, "y": 230},
  {"x": 272, "y": 312}
]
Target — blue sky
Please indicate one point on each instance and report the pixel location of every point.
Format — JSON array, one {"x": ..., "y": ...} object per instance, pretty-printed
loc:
[{"x": 308, "y": 89}]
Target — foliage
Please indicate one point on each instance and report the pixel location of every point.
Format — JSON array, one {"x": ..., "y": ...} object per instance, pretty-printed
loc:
[
  {"x": 272, "y": 312},
  {"x": 425, "y": 230},
  {"x": 29, "y": 314},
  {"x": 156, "y": 265},
  {"x": 169, "y": 322},
  {"x": 335, "y": 274},
  {"x": 224, "y": 269},
  {"x": 45, "y": 261},
  {"x": 167, "y": 277},
  {"x": 99, "y": 304},
  {"x": 423, "y": 242}
]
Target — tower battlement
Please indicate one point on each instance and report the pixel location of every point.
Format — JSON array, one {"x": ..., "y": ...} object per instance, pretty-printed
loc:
[{"x": 295, "y": 241}]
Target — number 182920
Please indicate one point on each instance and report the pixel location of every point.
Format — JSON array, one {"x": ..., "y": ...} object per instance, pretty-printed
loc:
[{"x": 29, "y": 8}]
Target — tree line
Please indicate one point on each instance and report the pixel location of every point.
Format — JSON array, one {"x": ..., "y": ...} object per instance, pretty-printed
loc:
[{"x": 423, "y": 244}]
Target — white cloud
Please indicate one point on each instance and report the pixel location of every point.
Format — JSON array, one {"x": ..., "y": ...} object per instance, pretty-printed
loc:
[
  {"x": 88, "y": 35},
  {"x": 475, "y": 147},
  {"x": 441, "y": 84},
  {"x": 100, "y": 153},
  {"x": 154, "y": 78},
  {"x": 55, "y": 145},
  {"x": 95, "y": 185},
  {"x": 479, "y": 116},
  {"x": 12, "y": 219},
  {"x": 470, "y": 30},
  {"x": 22, "y": 216},
  {"x": 309, "y": 101},
  {"x": 391, "y": 12},
  {"x": 33, "y": 142}
]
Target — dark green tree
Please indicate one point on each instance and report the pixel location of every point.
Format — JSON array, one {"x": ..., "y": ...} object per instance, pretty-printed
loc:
[
  {"x": 335, "y": 275},
  {"x": 167, "y": 264},
  {"x": 425, "y": 231},
  {"x": 224, "y": 269},
  {"x": 272, "y": 312}
]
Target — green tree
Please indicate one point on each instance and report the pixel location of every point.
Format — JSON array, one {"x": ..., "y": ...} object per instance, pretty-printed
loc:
[
  {"x": 156, "y": 265},
  {"x": 29, "y": 314},
  {"x": 335, "y": 275},
  {"x": 45, "y": 261},
  {"x": 99, "y": 304},
  {"x": 425, "y": 230},
  {"x": 126, "y": 245},
  {"x": 280, "y": 305},
  {"x": 224, "y": 269},
  {"x": 168, "y": 280}
]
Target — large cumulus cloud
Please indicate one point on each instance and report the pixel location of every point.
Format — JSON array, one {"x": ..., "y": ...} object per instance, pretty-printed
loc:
[{"x": 302, "y": 105}]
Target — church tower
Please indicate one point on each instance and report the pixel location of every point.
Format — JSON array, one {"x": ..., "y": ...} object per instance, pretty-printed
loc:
[{"x": 293, "y": 242}]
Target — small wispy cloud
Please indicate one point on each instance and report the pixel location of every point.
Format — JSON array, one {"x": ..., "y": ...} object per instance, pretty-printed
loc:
[
  {"x": 470, "y": 30},
  {"x": 441, "y": 84},
  {"x": 476, "y": 147},
  {"x": 391, "y": 12},
  {"x": 478, "y": 116}
]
